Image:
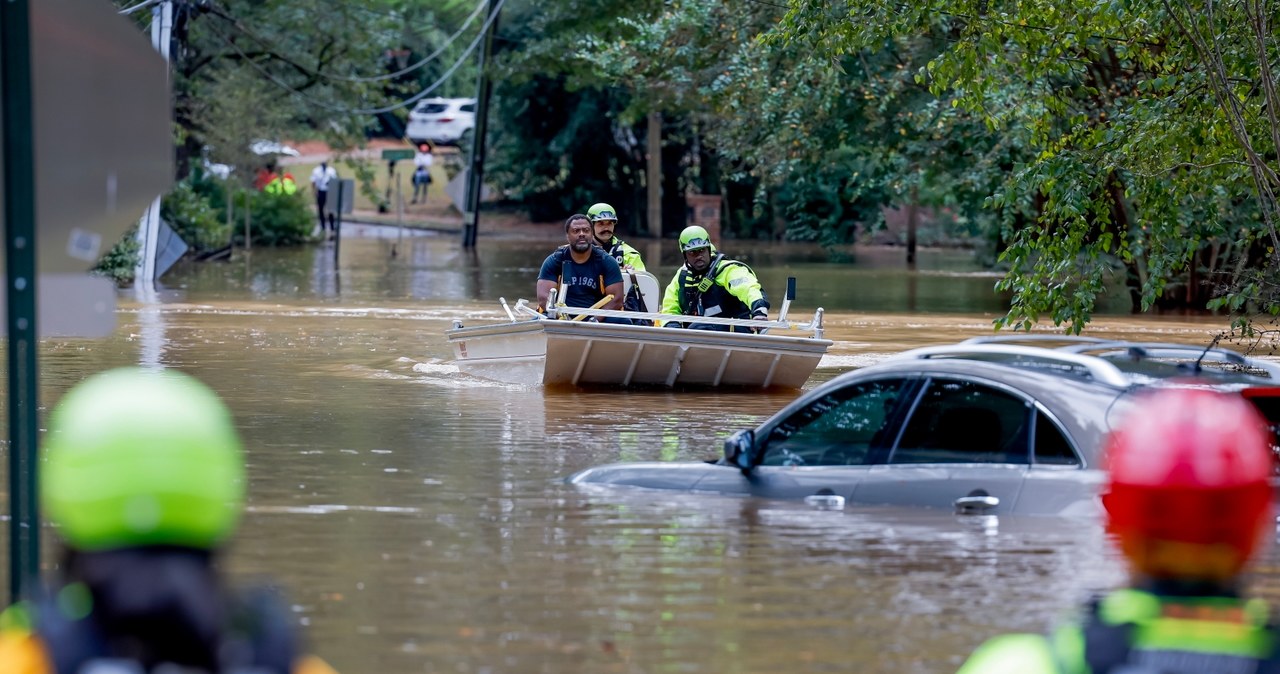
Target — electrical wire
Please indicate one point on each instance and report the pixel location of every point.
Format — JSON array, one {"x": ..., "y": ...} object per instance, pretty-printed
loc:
[
  {"x": 340, "y": 78},
  {"x": 372, "y": 111},
  {"x": 138, "y": 6}
]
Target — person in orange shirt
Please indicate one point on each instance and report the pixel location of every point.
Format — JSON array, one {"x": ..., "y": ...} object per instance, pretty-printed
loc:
[{"x": 144, "y": 477}]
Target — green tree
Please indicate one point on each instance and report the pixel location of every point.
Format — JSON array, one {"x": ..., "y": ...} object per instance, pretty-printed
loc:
[{"x": 1146, "y": 130}]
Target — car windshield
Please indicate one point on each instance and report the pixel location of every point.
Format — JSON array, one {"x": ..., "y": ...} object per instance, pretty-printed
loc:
[{"x": 432, "y": 108}]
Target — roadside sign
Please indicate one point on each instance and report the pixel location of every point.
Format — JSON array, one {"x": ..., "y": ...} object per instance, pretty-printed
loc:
[
  {"x": 344, "y": 197},
  {"x": 397, "y": 154},
  {"x": 103, "y": 150},
  {"x": 457, "y": 190},
  {"x": 103, "y": 137}
]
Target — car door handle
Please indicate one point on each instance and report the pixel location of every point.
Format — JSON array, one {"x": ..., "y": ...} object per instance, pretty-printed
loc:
[{"x": 976, "y": 503}]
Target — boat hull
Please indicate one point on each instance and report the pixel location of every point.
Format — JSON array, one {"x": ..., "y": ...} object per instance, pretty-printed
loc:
[{"x": 580, "y": 353}]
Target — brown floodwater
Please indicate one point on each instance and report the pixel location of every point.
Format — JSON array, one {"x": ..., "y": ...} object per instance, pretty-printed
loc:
[{"x": 418, "y": 520}]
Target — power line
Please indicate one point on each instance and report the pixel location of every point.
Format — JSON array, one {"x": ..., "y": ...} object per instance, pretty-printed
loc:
[
  {"x": 138, "y": 6},
  {"x": 339, "y": 78},
  {"x": 371, "y": 111}
]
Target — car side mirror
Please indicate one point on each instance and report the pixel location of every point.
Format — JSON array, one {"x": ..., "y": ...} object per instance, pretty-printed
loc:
[{"x": 739, "y": 450}]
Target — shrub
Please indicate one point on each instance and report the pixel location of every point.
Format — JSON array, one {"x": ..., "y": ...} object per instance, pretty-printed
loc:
[
  {"x": 191, "y": 214},
  {"x": 119, "y": 263},
  {"x": 274, "y": 219}
]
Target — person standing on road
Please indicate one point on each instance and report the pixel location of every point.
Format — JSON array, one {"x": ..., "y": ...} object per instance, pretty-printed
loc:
[
  {"x": 604, "y": 221},
  {"x": 422, "y": 161},
  {"x": 1188, "y": 500},
  {"x": 321, "y": 178},
  {"x": 587, "y": 273},
  {"x": 144, "y": 477},
  {"x": 708, "y": 284}
]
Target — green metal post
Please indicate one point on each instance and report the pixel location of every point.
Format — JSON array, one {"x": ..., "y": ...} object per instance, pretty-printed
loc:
[
  {"x": 475, "y": 176},
  {"x": 20, "y": 291}
]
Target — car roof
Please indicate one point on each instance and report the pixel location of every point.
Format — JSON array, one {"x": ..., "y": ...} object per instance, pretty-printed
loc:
[
  {"x": 1117, "y": 363},
  {"x": 1085, "y": 384},
  {"x": 450, "y": 101}
]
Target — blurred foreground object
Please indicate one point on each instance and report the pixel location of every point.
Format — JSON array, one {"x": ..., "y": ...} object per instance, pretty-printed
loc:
[
  {"x": 145, "y": 480},
  {"x": 1188, "y": 502}
]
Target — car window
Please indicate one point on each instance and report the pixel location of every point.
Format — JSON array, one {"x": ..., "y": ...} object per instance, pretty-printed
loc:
[
  {"x": 965, "y": 422},
  {"x": 468, "y": 107},
  {"x": 432, "y": 108},
  {"x": 837, "y": 429},
  {"x": 1051, "y": 446}
]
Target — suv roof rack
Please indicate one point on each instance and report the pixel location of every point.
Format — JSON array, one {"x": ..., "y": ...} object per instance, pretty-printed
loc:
[
  {"x": 1091, "y": 356},
  {"x": 1025, "y": 337},
  {"x": 1148, "y": 350},
  {"x": 1096, "y": 368}
]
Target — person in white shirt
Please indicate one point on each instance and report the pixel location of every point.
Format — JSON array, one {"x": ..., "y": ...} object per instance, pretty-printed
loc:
[
  {"x": 422, "y": 161},
  {"x": 321, "y": 177}
]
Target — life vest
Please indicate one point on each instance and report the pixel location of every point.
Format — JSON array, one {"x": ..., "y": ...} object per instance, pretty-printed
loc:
[
  {"x": 281, "y": 185},
  {"x": 258, "y": 639},
  {"x": 1137, "y": 632},
  {"x": 620, "y": 251},
  {"x": 700, "y": 294}
]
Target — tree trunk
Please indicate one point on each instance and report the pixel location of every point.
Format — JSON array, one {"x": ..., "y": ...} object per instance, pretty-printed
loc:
[
  {"x": 653, "y": 175},
  {"x": 913, "y": 224}
]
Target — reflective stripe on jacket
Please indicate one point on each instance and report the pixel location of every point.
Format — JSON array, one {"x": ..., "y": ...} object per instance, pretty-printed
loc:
[
  {"x": 734, "y": 292},
  {"x": 1136, "y": 631}
]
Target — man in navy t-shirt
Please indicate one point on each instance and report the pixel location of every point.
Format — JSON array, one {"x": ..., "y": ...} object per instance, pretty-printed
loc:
[{"x": 587, "y": 272}]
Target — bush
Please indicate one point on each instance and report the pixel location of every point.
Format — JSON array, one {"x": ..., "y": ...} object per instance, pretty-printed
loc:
[
  {"x": 189, "y": 211},
  {"x": 274, "y": 219},
  {"x": 119, "y": 263}
]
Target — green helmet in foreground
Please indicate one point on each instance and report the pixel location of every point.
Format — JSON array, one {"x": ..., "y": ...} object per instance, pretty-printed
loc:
[
  {"x": 141, "y": 457},
  {"x": 693, "y": 238},
  {"x": 602, "y": 211}
]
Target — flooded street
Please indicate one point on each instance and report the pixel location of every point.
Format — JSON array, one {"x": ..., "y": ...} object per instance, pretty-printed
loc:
[{"x": 417, "y": 518}]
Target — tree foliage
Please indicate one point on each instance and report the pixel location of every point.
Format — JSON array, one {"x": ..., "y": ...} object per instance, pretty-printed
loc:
[{"x": 1144, "y": 137}]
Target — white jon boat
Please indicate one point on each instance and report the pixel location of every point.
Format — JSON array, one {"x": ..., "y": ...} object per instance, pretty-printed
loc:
[{"x": 561, "y": 349}]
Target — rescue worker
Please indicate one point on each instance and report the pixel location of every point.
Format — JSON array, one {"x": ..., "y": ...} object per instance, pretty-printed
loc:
[
  {"x": 604, "y": 220},
  {"x": 144, "y": 478},
  {"x": 281, "y": 184},
  {"x": 586, "y": 270},
  {"x": 708, "y": 284},
  {"x": 1188, "y": 501}
]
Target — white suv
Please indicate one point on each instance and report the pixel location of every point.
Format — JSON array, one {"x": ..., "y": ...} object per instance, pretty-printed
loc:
[{"x": 441, "y": 120}]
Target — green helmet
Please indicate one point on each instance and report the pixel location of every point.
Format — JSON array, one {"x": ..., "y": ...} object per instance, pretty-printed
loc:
[
  {"x": 602, "y": 211},
  {"x": 139, "y": 457},
  {"x": 694, "y": 237}
]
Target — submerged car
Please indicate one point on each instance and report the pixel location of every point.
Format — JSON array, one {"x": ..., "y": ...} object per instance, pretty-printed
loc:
[{"x": 992, "y": 425}]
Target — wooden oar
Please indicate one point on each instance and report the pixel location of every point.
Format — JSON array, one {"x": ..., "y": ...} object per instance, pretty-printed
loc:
[{"x": 603, "y": 301}]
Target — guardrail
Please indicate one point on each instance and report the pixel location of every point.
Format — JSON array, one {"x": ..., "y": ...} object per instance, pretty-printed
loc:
[{"x": 523, "y": 311}]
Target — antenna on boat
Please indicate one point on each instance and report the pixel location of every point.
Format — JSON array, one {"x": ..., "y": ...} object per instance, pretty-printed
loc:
[{"x": 786, "y": 299}]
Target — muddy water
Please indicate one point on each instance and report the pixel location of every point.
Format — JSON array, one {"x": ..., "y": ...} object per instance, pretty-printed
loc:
[{"x": 418, "y": 520}]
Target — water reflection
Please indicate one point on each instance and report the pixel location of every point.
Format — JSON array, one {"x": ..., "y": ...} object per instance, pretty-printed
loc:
[{"x": 430, "y": 267}]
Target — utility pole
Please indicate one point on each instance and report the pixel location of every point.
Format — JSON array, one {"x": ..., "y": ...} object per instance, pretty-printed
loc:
[
  {"x": 16, "y": 109},
  {"x": 149, "y": 226},
  {"x": 475, "y": 174}
]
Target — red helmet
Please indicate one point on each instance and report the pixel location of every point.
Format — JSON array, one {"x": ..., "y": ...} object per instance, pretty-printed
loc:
[{"x": 1189, "y": 484}]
